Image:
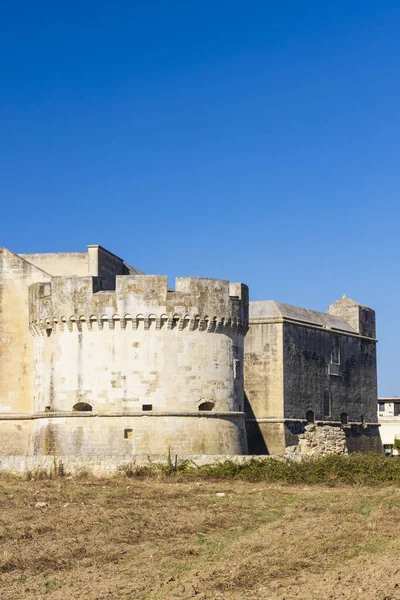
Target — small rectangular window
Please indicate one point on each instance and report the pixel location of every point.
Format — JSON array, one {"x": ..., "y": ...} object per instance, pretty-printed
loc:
[
  {"x": 381, "y": 407},
  {"x": 388, "y": 449},
  {"x": 128, "y": 433},
  {"x": 396, "y": 409},
  {"x": 147, "y": 407},
  {"x": 334, "y": 370}
]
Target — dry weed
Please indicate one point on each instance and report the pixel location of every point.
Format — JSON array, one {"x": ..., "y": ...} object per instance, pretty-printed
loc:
[{"x": 160, "y": 540}]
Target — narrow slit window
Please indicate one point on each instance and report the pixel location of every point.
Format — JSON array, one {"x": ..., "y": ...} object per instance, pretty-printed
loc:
[
  {"x": 147, "y": 407},
  {"x": 236, "y": 368},
  {"x": 326, "y": 408},
  {"x": 335, "y": 352}
]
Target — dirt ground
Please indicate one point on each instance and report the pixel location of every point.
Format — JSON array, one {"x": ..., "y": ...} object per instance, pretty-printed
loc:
[{"x": 161, "y": 540}]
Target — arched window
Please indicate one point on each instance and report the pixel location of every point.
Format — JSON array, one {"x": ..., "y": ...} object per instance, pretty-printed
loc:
[
  {"x": 344, "y": 419},
  {"x": 206, "y": 406},
  {"x": 82, "y": 407},
  {"x": 310, "y": 416}
]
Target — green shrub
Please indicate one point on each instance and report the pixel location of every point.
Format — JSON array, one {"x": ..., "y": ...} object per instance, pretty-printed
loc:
[{"x": 354, "y": 469}]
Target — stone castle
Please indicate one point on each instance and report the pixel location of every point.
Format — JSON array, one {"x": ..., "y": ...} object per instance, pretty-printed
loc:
[
  {"x": 98, "y": 358},
  {"x": 304, "y": 367}
]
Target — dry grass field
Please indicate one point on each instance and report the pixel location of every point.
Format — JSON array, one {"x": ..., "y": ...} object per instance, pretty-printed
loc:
[{"x": 164, "y": 539}]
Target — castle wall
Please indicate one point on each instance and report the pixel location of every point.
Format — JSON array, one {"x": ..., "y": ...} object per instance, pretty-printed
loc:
[
  {"x": 15, "y": 435},
  {"x": 309, "y": 374},
  {"x": 80, "y": 434},
  {"x": 96, "y": 262},
  {"x": 266, "y": 437},
  {"x": 263, "y": 377},
  {"x": 263, "y": 384},
  {"x": 108, "y": 266},
  {"x": 145, "y": 359},
  {"x": 16, "y": 340},
  {"x": 181, "y": 349},
  {"x": 124, "y": 368},
  {"x": 364, "y": 439},
  {"x": 360, "y": 317},
  {"x": 292, "y": 368},
  {"x": 63, "y": 264}
]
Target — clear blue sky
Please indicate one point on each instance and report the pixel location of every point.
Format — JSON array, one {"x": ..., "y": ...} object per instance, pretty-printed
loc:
[{"x": 252, "y": 141}]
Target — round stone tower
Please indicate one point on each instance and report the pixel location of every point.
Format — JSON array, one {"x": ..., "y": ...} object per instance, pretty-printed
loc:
[{"x": 140, "y": 369}]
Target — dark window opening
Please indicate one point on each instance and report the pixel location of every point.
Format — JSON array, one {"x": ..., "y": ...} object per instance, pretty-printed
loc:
[
  {"x": 310, "y": 416},
  {"x": 47, "y": 408},
  {"x": 127, "y": 433},
  {"x": 326, "y": 408},
  {"x": 236, "y": 368},
  {"x": 344, "y": 419},
  {"x": 388, "y": 449},
  {"x": 335, "y": 352},
  {"x": 147, "y": 407},
  {"x": 381, "y": 406},
  {"x": 396, "y": 409},
  {"x": 206, "y": 406},
  {"x": 82, "y": 407}
]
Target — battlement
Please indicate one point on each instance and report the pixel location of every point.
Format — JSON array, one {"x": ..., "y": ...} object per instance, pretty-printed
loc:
[{"x": 144, "y": 301}]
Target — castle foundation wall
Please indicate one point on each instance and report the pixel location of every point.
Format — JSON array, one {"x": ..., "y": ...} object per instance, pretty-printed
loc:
[
  {"x": 83, "y": 434},
  {"x": 363, "y": 439},
  {"x": 276, "y": 436}
]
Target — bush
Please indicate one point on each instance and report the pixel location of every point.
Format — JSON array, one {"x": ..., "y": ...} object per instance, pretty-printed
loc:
[{"x": 354, "y": 469}]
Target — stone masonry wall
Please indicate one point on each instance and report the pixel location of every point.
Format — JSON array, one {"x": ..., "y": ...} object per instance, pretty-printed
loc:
[
  {"x": 88, "y": 434},
  {"x": 139, "y": 346},
  {"x": 309, "y": 376},
  {"x": 16, "y": 341},
  {"x": 320, "y": 440},
  {"x": 104, "y": 465}
]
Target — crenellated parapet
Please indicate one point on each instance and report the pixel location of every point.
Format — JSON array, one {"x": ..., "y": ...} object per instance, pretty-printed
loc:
[{"x": 139, "y": 301}]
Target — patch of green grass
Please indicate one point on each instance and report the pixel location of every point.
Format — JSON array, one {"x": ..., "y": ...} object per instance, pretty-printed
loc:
[
  {"x": 364, "y": 509},
  {"x": 51, "y": 585}
]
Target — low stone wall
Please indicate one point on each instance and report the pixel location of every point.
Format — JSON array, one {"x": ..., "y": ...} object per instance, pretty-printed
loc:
[
  {"x": 277, "y": 436},
  {"x": 320, "y": 440},
  {"x": 100, "y": 466}
]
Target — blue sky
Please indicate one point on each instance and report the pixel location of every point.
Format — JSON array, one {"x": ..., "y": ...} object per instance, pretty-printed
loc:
[{"x": 252, "y": 141}]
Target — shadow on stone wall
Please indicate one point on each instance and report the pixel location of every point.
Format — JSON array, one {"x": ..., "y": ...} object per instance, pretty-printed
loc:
[
  {"x": 255, "y": 438},
  {"x": 363, "y": 439}
]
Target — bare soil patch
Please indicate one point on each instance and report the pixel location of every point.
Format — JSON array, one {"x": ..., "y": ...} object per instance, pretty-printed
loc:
[{"x": 167, "y": 539}]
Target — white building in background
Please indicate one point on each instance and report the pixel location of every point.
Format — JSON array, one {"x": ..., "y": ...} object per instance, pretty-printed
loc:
[{"x": 389, "y": 419}]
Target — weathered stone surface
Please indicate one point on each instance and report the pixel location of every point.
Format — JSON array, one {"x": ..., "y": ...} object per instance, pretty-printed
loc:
[
  {"x": 302, "y": 365},
  {"x": 320, "y": 440},
  {"x": 85, "y": 331}
]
